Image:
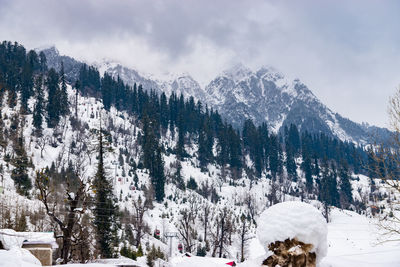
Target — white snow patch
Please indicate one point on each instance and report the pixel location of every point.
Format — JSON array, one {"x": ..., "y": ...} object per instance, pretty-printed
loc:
[{"x": 294, "y": 219}]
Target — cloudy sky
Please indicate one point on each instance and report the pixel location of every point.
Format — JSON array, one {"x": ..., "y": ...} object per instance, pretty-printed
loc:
[{"x": 347, "y": 52}]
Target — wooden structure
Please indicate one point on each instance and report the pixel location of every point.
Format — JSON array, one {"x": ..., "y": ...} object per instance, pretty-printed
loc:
[{"x": 42, "y": 251}]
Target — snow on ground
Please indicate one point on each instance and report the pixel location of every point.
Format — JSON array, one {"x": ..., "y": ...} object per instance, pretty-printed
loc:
[
  {"x": 352, "y": 241},
  {"x": 194, "y": 261},
  {"x": 17, "y": 257}
]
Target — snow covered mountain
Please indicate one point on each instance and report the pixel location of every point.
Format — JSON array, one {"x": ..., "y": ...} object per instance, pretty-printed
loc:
[
  {"x": 180, "y": 84},
  {"x": 267, "y": 96},
  {"x": 54, "y": 59},
  {"x": 240, "y": 93}
]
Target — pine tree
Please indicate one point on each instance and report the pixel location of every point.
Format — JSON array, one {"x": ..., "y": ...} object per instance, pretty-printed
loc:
[
  {"x": 26, "y": 86},
  {"x": 291, "y": 166},
  {"x": 178, "y": 176},
  {"x": 21, "y": 163},
  {"x": 324, "y": 193},
  {"x": 105, "y": 209},
  {"x": 158, "y": 176},
  {"x": 180, "y": 145},
  {"x": 63, "y": 95},
  {"x": 205, "y": 142},
  {"x": 306, "y": 165},
  {"x": 42, "y": 62},
  {"x": 273, "y": 155},
  {"x": 53, "y": 104},
  {"x": 38, "y": 110},
  {"x": 346, "y": 196},
  {"x": 152, "y": 158}
]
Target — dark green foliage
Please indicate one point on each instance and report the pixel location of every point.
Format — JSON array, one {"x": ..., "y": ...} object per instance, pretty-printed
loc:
[
  {"x": 346, "y": 196},
  {"x": 275, "y": 160},
  {"x": 307, "y": 169},
  {"x": 178, "y": 179},
  {"x": 205, "y": 142},
  {"x": 139, "y": 252},
  {"x": 128, "y": 252},
  {"x": 105, "y": 210},
  {"x": 191, "y": 184},
  {"x": 39, "y": 105},
  {"x": 201, "y": 251},
  {"x": 63, "y": 96},
  {"x": 328, "y": 192},
  {"x": 21, "y": 163},
  {"x": 42, "y": 62},
  {"x": 153, "y": 255},
  {"x": 89, "y": 78},
  {"x": 292, "y": 145},
  {"x": 53, "y": 104},
  {"x": 152, "y": 158},
  {"x": 252, "y": 142}
]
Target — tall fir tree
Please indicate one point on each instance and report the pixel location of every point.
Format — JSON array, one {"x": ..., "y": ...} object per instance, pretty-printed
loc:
[
  {"x": 42, "y": 62},
  {"x": 53, "y": 104},
  {"x": 152, "y": 157},
  {"x": 105, "y": 210},
  {"x": 21, "y": 163},
  {"x": 307, "y": 169},
  {"x": 158, "y": 176},
  {"x": 63, "y": 95},
  {"x": 39, "y": 105},
  {"x": 346, "y": 195}
]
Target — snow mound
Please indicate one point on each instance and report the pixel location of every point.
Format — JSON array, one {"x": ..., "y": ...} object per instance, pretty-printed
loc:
[
  {"x": 294, "y": 219},
  {"x": 10, "y": 239},
  {"x": 18, "y": 257}
]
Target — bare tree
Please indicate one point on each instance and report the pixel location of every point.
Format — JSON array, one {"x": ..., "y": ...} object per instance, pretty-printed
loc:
[
  {"x": 224, "y": 227},
  {"x": 193, "y": 203},
  {"x": 74, "y": 205},
  {"x": 42, "y": 141},
  {"x": 244, "y": 232},
  {"x": 139, "y": 208},
  {"x": 386, "y": 168},
  {"x": 251, "y": 204},
  {"x": 186, "y": 228},
  {"x": 205, "y": 217}
]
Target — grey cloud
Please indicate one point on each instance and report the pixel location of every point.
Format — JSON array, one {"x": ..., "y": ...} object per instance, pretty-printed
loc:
[{"x": 345, "y": 50}]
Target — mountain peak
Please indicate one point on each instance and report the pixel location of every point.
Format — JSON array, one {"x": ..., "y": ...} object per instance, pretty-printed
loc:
[
  {"x": 238, "y": 72},
  {"x": 50, "y": 48}
]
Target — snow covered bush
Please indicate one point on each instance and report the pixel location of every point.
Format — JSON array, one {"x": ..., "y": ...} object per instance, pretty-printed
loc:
[{"x": 293, "y": 231}]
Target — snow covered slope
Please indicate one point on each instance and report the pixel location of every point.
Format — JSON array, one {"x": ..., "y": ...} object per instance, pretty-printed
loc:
[{"x": 352, "y": 241}]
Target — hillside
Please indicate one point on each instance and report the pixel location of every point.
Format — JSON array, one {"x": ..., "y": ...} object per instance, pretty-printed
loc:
[{"x": 188, "y": 171}]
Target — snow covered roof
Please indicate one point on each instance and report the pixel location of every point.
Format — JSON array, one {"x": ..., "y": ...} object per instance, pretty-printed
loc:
[
  {"x": 10, "y": 238},
  {"x": 294, "y": 219}
]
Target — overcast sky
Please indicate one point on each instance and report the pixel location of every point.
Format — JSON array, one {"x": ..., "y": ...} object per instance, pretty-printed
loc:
[{"x": 347, "y": 52}]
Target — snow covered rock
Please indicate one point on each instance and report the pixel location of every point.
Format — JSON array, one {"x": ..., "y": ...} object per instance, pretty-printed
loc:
[{"x": 293, "y": 231}]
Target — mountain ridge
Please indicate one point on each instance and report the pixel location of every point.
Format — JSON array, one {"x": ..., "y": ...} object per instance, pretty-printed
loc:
[{"x": 239, "y": 93}]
